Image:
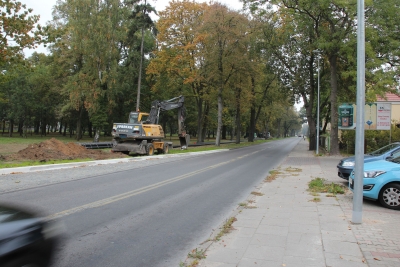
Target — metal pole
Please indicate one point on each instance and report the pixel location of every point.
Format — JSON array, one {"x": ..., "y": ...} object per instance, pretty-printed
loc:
[
  {"x": 359, "y": 163},
  {"x": 317, "y": 150},
  {"x": 140, "y": 65},
  {"x": 318, "y": 110}
]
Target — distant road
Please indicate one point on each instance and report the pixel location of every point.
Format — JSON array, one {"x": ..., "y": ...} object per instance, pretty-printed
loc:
[{"x": 152, "y": 214}]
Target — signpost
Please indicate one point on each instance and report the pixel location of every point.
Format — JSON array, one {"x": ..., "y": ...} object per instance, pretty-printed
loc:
[
  {"x": 383, "y": 116},
  {"x": 359, "y": 167}
]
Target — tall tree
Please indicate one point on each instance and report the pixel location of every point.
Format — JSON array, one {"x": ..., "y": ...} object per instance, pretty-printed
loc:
[
  {"x": 323, "y": 25},
  {"x": 226, "y": 37},
  {"x": 177, "y": 66},
  {"x": 88, "y": 48}
]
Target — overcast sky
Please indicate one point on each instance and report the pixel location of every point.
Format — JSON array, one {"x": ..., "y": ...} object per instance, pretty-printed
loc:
[{"x": 45, "y": 7}]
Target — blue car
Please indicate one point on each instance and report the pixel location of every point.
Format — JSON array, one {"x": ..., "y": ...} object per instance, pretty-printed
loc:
[
  {"x": 381, "y": 182},
  {"x": 346, "y": 165}
]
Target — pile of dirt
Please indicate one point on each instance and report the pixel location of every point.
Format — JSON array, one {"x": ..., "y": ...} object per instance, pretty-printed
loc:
[{"x": 54, "y": 149}]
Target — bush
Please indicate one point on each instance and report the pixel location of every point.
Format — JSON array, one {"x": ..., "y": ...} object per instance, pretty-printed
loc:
[{"x": 374, "y": 139}]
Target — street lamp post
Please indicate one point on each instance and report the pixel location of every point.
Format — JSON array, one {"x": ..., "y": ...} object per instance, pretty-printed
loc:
[{"x": 317, "y": 152}]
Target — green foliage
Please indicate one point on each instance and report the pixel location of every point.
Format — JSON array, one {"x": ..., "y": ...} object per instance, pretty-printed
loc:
[
  {"x": 226, "y": 228},
  {"x": 37, "y": 163},
  {"x": 319, "y": 185},
  {"x": 17, "y": 26},
  {"x": 374, "y": 139},
  {"x": 238, "y": 77}
]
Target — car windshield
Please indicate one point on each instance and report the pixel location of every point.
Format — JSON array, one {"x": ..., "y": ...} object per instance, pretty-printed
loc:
[
  {"x": 395, "y": 160},
  {"x": 8, "y": 215},
  {"x": 384, "y": 149}
]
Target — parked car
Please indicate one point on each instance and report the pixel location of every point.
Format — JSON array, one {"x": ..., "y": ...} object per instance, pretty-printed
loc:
[
  {"x": 381, "y": 182},
  {"x": 346, "y": 165},
  {"x": 25, "y": 238}
]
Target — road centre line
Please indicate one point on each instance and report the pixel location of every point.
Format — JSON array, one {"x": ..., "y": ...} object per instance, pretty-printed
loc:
[{"x": 132, "y": 193}]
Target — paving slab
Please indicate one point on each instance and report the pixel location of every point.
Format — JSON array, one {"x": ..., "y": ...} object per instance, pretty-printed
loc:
[{"x": 289, "y": 228}]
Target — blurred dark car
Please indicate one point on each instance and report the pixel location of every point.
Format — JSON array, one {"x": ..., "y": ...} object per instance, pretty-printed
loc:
[
  {"x": 25, "y": 238},
  {"x": 346, "y": 165}
]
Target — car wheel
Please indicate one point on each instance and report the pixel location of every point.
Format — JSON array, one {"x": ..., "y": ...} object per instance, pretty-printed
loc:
[
  {"x": 150, "y": 149},
  {"x": 389, "y": 196}
]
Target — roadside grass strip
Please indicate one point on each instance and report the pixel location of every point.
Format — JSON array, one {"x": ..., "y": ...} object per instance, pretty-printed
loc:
[
  {"x": 225, "y": 229},
  {"x": 319, "y": 185},
  {"x": 272, "y": 176}
]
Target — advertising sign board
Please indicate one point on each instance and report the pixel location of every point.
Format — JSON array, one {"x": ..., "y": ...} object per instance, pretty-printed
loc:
[
  {"x": 377, "y": 116},
  {"x": 383, "y": 118}
]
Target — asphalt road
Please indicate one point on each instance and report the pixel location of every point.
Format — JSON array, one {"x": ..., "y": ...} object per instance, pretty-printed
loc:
[{"x": 150, "y": 215}]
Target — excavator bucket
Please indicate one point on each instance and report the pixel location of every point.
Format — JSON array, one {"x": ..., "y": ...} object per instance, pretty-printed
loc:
[{"x": 184, "y": 140}]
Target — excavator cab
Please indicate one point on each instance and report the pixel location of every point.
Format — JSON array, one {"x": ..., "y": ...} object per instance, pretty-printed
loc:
[{"x": 138, "y": 117}]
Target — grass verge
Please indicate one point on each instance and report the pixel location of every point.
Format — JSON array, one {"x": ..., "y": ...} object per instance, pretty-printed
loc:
[
  {"x": 27, "y": 141},
  {"x": 38, "y": 163}
]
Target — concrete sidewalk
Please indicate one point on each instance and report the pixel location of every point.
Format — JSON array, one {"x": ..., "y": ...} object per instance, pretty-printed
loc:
[{"x": 288, "y": 228}]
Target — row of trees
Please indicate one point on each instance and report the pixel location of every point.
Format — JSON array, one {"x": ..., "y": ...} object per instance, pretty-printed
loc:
[
  {"x": 301, "y": 27},
  {"x": 91, "y": 75},
  {"x": 241, "y": 72}
]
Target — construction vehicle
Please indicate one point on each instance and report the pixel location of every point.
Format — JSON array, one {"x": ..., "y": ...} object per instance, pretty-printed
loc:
[{"x": 143, "y": 135}]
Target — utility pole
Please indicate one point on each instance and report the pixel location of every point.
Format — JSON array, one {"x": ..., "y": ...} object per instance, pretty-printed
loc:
[
  {"x": 359, "y": 164},
  {"x": 141, "y": 62},
  {"x": 319, "y": 56}
]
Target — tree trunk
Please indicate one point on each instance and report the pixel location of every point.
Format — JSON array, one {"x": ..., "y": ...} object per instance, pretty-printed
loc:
[
  {"x": 36, "y": 126},
  {"x": 206, "y": 112},
  {"x": 334, "y": 107},
  {"x": 223, "y": 132},
  {"x": 252, "y": 124},
  {"x": 79, "y": 124},
  {"x": 219, "y": 126},
  {"x": 90, "y": 129},
  {"x": 238, "y": 114},
  {"x": 65, "y": 129},
  {"x": 309, "y": 106},
  {"x": 20, "y": 128},
  {"x": 11, "y": 128},
  {"x": 24, "y": 130},
  {"x": 170, "y": 129},
  {"x": 312, "y": 129},
  {"x": 279, "y": 127},
  {"x": 61, "y": 125},
  {"x": 43, "y": 125},
  {"x": 164, "y": 126},
  {"x": 200, "y": 136}
]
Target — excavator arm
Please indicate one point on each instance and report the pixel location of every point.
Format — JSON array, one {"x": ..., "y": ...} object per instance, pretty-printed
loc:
[{"x": 174, "y": 103}]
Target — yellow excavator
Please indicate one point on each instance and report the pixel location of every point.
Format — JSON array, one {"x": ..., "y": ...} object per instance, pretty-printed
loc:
[{"x": 143, "y": 135}]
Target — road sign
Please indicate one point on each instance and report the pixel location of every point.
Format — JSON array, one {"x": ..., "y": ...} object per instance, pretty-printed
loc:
[{"x": 383, "y": 116}]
